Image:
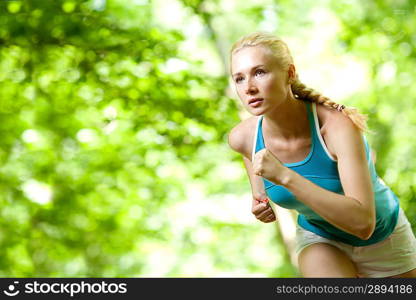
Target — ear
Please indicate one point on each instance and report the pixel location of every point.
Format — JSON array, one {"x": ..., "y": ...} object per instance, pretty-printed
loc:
[{"x": 291, "y": 73}]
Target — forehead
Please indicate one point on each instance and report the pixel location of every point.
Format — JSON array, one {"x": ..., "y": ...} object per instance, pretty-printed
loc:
[{"x": 244, "y": 59}]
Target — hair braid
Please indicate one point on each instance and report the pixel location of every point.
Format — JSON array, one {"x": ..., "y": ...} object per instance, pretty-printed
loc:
[{"x": 302, "y": 92}]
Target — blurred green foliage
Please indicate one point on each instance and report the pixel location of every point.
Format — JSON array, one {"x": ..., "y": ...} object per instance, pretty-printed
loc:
[
  {"x": 382, "y": 33},
  {"x": 87, "y": 111},
  {"x": 114, "y": 161}
]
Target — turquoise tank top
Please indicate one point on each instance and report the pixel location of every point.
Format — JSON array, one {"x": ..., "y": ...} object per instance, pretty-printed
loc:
[{"x": 320, "y": 168}]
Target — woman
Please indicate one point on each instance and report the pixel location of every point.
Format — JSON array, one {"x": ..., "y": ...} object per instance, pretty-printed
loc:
[{"x": 307, "y": 153}]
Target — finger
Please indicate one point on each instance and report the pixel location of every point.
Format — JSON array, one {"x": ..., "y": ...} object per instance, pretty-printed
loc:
[
  {"x": 264, "y": 214},
  {"x": 268, "y": 219},
  {"x": 259, "y": 208},
  {"x": 271, "y": 219}
]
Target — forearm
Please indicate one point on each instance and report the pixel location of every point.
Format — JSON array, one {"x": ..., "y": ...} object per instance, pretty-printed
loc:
[
  {"x": 256, "y": 182},
  {"x": 346, "y": 213}
]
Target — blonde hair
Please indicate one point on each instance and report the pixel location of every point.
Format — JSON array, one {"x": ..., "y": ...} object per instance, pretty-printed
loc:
[{"x": 300, "y": 91}]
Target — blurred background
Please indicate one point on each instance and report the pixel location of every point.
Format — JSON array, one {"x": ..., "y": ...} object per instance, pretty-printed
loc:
[{"x": 114, "y": 117}]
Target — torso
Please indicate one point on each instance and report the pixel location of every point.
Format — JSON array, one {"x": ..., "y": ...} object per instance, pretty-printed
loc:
[
  {"x": 330, "y": 123},
  {"x": 288, "y": 152}
]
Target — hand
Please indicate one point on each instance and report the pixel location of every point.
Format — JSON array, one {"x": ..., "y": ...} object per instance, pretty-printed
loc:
[
  {"x": 266, "y": 165},
  {"x": 261, "y": 209}
]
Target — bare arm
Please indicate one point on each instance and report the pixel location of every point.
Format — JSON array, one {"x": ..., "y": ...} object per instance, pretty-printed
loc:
[
  {"x": 349, "y": 214},
  {"x": 260, "y": 206},
  {"x": 238, "y": 141},
  {"x": 256, "y": 182}
]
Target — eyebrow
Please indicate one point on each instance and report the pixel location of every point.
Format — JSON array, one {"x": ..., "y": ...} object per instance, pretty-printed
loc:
[{"x": 255, "y": 67}]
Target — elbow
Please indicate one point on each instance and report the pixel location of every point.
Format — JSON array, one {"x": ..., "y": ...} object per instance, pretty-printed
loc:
[{"x": 366, "y": 231}]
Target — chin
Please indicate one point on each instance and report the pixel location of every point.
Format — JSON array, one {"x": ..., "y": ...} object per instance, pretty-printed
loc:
[{"x": 255, "y": 112}]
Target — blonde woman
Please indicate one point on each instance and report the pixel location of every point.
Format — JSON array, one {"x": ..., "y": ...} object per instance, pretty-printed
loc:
[{"x": 308, "y": 153}]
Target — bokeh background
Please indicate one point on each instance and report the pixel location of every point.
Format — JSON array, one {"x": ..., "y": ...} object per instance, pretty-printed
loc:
[{"x": 114, "y": 117}]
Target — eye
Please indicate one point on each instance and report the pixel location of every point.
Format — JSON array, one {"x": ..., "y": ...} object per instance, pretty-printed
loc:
[
  {"x": 238, "y": 79},
  {"x": 259, "y": 72}
]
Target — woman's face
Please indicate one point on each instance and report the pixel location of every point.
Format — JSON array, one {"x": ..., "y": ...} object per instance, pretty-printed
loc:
[{"x": 260, "y": 82}]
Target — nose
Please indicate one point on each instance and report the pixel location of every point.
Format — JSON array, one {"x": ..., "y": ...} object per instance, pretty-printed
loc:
[{"x": 251, "y": 88}]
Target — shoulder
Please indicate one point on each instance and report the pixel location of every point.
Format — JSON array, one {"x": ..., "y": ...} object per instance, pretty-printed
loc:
[
  {"x": 331, "y": 118},
  {"x": 241, "y": 136},
  {"x": 338, "y": 131}
]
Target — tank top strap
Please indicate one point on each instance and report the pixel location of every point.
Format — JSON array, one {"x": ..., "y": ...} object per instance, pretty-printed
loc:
[{"x": 258, "y": 138}]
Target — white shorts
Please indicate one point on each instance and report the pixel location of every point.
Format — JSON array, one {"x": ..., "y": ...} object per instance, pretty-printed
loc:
[{"x": 392, "y": 256}]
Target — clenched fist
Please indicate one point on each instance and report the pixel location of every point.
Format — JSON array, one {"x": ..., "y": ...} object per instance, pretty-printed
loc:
[
  {"x": 266, "y": 165},
  {"x": 262, "y": 211}
]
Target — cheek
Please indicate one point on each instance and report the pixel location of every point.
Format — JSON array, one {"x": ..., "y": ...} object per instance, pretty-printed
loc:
[
  {"x": 240, "y": 91},
  {"x": 275, "y": 86},
  {"x": 270, "y": 86}
]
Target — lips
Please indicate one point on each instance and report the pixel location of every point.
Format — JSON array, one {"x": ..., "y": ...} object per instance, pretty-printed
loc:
[{"x": 254, "y": 102}]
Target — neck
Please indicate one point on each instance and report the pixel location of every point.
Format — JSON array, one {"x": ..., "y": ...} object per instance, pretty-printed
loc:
[{"x": 288, "y": 121}]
